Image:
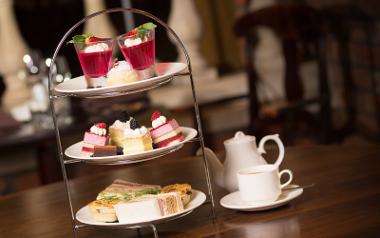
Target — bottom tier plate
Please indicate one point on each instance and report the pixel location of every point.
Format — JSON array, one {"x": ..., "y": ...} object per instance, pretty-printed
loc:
[
  {"x": 74, "y": 151},
  {"x": 198, "y": 198}
]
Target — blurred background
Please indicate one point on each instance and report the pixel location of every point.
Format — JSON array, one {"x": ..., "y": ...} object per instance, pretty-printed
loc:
[{"x": 306, "y": 69}]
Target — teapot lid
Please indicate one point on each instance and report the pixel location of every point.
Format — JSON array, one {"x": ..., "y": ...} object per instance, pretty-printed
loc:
[{"x": 239, "y": 137}]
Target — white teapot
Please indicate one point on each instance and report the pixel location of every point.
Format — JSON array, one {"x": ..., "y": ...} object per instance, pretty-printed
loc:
[{"x": 241, "y": 152}]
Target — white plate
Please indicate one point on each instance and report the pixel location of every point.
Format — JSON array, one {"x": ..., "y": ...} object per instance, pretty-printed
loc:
[
  {"x": 74, "y": 151},
  {"x": 233, "y": 201},
  {"x": 198, "y": 198},
  {"x": 78, "y": 87}
]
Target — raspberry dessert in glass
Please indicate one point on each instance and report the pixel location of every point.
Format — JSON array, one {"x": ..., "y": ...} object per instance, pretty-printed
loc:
[
  {"x": 138, "y": 47},
  {"x": 95, "y": 57}
]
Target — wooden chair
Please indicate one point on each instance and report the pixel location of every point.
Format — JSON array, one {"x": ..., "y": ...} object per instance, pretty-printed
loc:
[
  {"x": 299, "y": 29},
  {"x": 341, "y": 20}
]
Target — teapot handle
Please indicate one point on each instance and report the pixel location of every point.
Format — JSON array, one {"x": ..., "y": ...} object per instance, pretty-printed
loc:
[{"x": 279, "y": 143}]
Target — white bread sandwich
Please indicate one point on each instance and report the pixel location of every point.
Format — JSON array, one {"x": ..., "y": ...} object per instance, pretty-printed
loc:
[
  {"x": 120, "y": 191},
  {"x": 127, "y": 190},
  {"x": 149, "y": 207}
]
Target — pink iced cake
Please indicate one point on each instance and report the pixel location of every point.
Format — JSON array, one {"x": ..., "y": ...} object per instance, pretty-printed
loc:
[
  {"x": 165, "y": 132},
  {"x": 97, "y": 136}
]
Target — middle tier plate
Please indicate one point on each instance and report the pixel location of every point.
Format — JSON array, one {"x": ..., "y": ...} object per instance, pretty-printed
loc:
[{"x": 74, "y": 151}]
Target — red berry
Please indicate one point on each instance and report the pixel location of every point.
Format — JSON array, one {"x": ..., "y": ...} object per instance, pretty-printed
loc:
[
  {"x": 92, "y": 39},
  {"x": 155, "y": 115},
  {"x": 101, "y": 125},
  {"x": 132, "y": 32}
]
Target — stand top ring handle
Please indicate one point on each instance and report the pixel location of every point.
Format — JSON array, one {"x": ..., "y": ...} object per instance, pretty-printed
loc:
[{"x": 112, "y": 10}]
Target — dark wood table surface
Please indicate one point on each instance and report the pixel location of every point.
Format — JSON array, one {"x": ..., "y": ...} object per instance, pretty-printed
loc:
[{"x": 344, "y": 203}]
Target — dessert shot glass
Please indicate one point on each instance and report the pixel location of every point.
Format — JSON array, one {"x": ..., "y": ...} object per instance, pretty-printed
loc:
[
  {"x": 139, "y": 51},
  {"x": 96, "y": 60}
]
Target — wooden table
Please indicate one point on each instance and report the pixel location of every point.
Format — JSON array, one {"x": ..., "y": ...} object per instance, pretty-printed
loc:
[{"x": 344, "y": 203}]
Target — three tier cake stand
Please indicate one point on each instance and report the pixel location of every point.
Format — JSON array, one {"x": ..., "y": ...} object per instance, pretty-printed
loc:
[{"x": 57, "y": 93}]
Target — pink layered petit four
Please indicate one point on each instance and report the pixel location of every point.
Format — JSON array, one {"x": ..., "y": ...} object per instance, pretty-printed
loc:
[
  {"x": 97, "y": 136},
  {"x": 163, "y": 132}
]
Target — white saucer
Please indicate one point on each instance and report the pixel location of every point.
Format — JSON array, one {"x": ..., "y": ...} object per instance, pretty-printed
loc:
[{"x": 232, "y": 201}]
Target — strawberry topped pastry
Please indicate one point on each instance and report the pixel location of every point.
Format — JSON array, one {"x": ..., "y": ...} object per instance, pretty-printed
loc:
[
  {"x": 165, "y": 132},
  {"x": 96, "y": 142},
  {"x": 138, "y": 47},
  {"x": 95, "y": 57}
]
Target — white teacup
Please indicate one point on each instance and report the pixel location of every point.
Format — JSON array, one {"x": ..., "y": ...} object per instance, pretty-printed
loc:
[{"x": 261, "y": 183}]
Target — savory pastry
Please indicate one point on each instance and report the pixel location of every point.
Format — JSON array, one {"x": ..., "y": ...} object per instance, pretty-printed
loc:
[
  {"x": 136, "y": 138},
  {"x": 121, "y": 73},
  {"x": 163, "y": 132},
  {"x": 103, "y": 210},
  {"x": 149, "y": 207},
  {"x": 184, "y": 190},
  {"x": 97, "y": 136},
  {"x": 116, "y": 130}
]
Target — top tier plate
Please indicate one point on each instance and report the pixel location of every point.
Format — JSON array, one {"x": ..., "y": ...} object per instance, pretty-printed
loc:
[{"x": 77, "y": 86}]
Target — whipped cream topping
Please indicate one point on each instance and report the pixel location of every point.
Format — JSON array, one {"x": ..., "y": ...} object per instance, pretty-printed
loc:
[
  {"x": 133, "y": 133},
  {"x": 98, "y": 131},
  {"x": 120, "y": 125},
  {"x": 132, "y": 42},
  {"x": 158, "y": 121},
  {"x": 96, "y": 48}
]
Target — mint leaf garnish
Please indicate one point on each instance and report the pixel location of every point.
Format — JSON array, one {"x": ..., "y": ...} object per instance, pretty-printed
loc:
[
  {"x": 79, "y": 38},
  {"x": 144, "y": 28},
  {"x": 149, "y": 26}
]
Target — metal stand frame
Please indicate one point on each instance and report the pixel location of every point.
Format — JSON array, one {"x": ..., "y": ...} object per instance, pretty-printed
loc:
[{"x": 54, "y": 97}]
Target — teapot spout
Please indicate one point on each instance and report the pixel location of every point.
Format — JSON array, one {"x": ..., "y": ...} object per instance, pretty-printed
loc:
[{"x": 217, "y": 169}]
